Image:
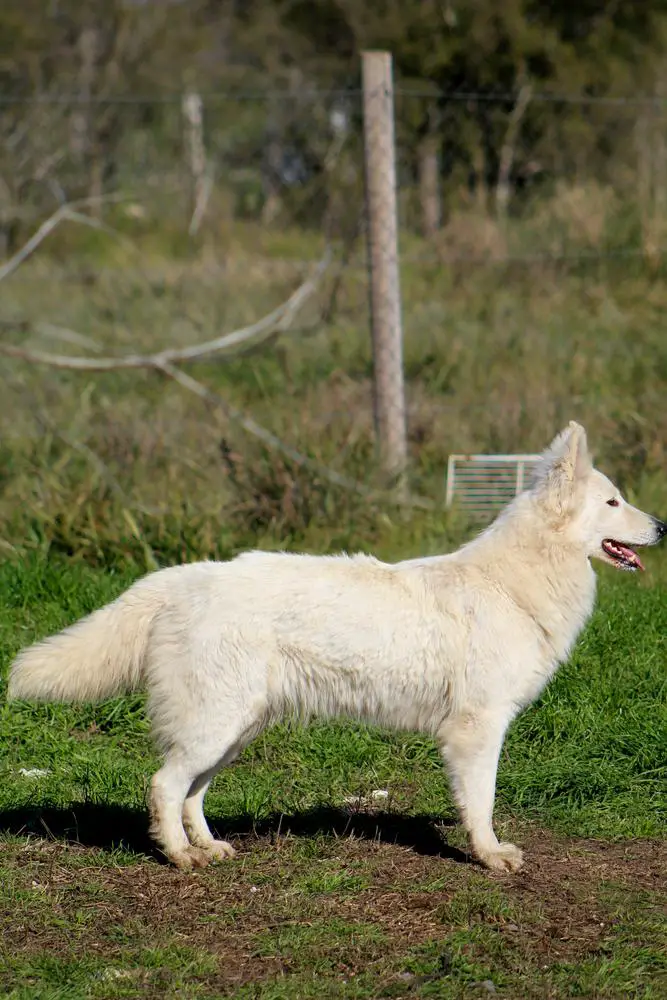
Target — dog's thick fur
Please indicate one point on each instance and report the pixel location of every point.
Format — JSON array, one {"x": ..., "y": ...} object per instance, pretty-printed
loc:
[{"x": 453, "y": 645}]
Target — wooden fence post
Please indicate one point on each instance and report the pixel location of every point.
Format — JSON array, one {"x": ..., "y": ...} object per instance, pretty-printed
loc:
[{"x": 385, "y": 294}]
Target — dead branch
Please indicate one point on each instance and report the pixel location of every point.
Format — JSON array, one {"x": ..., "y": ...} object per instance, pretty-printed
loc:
[
  {"x": 268, "y": 439},
  {"x": 69, "y": 212},
  {"x": 271, "y": 441},
  {"x": 273, "y": 323},
  {"x": 508, "y": 149}
]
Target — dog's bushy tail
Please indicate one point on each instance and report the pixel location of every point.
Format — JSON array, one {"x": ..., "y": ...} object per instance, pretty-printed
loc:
[{"x": 99, "y": 657}]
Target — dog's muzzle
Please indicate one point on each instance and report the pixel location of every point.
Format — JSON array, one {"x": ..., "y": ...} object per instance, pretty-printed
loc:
[{"x": 660, "y": 527}]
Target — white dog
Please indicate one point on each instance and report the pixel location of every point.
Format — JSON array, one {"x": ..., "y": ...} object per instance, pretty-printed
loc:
[{"x": 453, "y": 645}]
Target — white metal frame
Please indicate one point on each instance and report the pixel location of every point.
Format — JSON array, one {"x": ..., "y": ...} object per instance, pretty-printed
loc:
[{"x": 489, "y": 485}]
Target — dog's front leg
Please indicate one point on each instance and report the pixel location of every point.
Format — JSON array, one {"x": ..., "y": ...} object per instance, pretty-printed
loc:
[{"x": 470, "y": 746}]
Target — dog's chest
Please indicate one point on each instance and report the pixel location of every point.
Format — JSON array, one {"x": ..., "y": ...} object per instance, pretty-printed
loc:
[
  {"x": 568, "y": 617},
  {"x": 544, "y": 633},
  {"x": 557, "y": 629}
]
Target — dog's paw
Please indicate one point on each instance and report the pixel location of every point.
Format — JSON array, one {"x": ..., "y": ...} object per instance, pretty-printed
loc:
[
  {"x": 505, "y": 858},
  {"x": 219, "y": 850},
  {"x": 189, "y": 858},
  {"x": 199, "y": 857}
]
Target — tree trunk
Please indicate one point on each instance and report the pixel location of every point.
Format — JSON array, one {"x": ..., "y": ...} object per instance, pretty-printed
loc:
[
  {"x": 79, "y": 132},
  {"x": 193, "y": 112},
  {"x": 508, "y": 150},
  {"x": 429, "y": 186}
]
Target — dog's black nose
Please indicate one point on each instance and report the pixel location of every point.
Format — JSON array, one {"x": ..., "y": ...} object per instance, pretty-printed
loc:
[{"x": 660, "y": 527}]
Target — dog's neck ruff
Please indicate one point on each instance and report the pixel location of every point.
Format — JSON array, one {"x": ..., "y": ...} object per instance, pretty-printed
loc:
[{"x": 549, "y": 578}]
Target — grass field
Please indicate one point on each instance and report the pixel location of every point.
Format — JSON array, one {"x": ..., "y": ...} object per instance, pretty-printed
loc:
[{"x": 337, "y": 891}]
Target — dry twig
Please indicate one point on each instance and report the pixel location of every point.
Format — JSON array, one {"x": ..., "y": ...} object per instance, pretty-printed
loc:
[{"x": 70, "y": 213}]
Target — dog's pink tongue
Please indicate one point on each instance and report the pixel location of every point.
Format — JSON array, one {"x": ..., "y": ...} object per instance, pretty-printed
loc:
[{"x": 631, "y": 556}]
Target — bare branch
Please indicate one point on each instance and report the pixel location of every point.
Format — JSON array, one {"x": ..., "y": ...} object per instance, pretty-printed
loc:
[
  {"x": 54, "y": 332},
  {"x": 68, "y": 212},
  {"x": 260, "y": 433},
  {"x": 271, "y": 441},
  {"x": 509, "y": 147},
  {"x": 276, "y": 321},
  {"x": 203, "y": 195}
]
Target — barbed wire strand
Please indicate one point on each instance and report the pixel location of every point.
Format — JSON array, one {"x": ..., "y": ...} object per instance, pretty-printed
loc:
[{"x": 264, "y": 94}]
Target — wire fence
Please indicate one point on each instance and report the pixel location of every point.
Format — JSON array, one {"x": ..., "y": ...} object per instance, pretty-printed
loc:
[
  {"x": 232, "y": 197},
  {"x": 296, "y": 159}
]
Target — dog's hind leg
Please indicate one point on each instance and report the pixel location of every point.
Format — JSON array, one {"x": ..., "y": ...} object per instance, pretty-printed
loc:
[
  {"x": 169, "y": 787},
  {"x": 196, "y": 826},
  {"x": 178, "y": 789},
  {"x": 471, "y": 747},
  {"x": 177, "y": 798},
  {"x": 207, "y": 700},
  {"x": 194, "y": 820}
]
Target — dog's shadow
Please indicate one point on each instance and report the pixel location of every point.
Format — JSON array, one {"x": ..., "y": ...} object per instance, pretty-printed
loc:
[{"x": 119, "y": 827}]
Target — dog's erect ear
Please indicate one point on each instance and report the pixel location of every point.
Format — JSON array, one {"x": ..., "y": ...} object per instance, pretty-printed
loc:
[
  {"x": 564, "y": 463},
  {"x": 569, "y": 450}
]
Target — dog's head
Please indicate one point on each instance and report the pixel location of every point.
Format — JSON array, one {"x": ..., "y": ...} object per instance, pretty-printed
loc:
[{"x": 587, "y": 507}]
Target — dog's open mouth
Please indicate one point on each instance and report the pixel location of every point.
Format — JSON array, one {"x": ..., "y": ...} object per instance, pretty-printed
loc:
[{"x": 621, "y": 555}]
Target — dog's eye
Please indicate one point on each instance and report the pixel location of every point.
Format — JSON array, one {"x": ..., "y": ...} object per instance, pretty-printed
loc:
[{"x": 614, "y": 502}]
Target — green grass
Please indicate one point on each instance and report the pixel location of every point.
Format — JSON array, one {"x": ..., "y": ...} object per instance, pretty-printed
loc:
[{"x": 329, "y": 898}]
